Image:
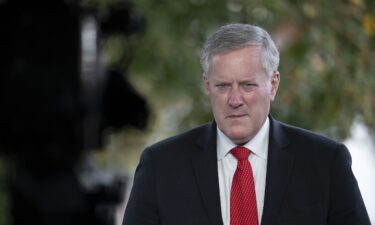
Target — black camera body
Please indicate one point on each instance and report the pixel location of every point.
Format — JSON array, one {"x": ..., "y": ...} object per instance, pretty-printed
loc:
[{"x": 56, "y": 98}]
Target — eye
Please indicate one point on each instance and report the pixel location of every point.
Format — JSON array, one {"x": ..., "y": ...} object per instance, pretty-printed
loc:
[
  {"x": 249, "y": 86},
  {"x": 222, "y": 87}
]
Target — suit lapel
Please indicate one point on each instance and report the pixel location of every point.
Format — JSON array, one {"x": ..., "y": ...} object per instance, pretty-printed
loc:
[
  {"x": 204, "y": 163},
  {"x": 279, "y": 166}
]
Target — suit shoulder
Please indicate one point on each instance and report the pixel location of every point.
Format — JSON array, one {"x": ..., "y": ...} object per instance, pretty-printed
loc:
[
  {"x": 311, "y": 146},
  {"x": 307, "y": 136},
  {"x": 182, "y": 140}
]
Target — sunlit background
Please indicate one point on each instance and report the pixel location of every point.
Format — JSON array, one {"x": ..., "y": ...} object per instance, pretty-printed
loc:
[{"x": 362, "y": 148}]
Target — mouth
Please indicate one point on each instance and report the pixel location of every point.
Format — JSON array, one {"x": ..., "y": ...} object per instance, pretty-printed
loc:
[{"x": 234, "y": 116}]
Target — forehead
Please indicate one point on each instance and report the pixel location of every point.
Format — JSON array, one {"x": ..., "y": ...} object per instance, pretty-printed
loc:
[{"x": 247, "y": 59}]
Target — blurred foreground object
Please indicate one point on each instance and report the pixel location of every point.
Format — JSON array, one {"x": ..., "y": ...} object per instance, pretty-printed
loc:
[{"x": 56, "y": 99}]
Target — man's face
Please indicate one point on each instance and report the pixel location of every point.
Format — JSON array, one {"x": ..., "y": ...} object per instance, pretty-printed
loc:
[{"x": 240, "y": 92}]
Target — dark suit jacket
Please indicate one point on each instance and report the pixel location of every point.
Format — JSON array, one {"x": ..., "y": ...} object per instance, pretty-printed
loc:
[{"x": 309, "y": 181}]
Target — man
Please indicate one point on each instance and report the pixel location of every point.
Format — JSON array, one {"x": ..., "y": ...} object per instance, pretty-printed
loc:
[{"x": 203, "y": 176}]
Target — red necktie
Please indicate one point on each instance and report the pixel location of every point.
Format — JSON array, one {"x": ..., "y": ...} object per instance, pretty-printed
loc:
[{"x": 243, "y": 205}]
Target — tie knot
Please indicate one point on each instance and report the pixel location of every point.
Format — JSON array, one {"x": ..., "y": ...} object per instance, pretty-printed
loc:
[{"x": 240, "y": 152}]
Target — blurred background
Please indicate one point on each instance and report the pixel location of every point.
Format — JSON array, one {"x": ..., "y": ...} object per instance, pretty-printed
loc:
[{"x": 327, "y": 75}]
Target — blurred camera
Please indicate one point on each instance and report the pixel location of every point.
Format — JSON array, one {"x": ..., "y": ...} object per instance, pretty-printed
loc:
[{"x": 56, "y": 99}]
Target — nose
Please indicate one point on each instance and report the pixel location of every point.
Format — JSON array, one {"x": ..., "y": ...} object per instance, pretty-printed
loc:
[{"x": 235, "y": 98}]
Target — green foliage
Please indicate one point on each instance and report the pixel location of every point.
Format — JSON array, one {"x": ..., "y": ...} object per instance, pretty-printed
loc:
[
  {"x": 328, "y": 73},
  {"x": 327, "y": 58},
  {"x": 167, "y": 54}
]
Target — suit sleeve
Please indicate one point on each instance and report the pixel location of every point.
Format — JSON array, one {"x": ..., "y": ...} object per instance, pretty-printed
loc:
[
  {"x": 142, "y": 205},
  {"x": 346, "y": 203}
]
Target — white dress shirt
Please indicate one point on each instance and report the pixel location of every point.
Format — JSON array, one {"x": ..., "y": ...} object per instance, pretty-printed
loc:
[{"x": 227, "y": 165}]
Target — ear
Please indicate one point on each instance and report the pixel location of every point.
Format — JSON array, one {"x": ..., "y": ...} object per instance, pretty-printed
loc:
[
  {"x": 275, "y": 81},
  {"x": 206, "y": 82}
]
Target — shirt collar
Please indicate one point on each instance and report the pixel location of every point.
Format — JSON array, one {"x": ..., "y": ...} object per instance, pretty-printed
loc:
[{"x": 258, "y": 144}]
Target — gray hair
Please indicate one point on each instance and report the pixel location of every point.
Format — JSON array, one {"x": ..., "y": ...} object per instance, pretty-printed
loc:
[{"x": 236, "y": 36}]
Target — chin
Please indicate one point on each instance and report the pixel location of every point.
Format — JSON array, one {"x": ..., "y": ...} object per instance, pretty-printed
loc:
[
  {"x": 238, "y": 137},
  {"x": 240, "y": 141}
]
